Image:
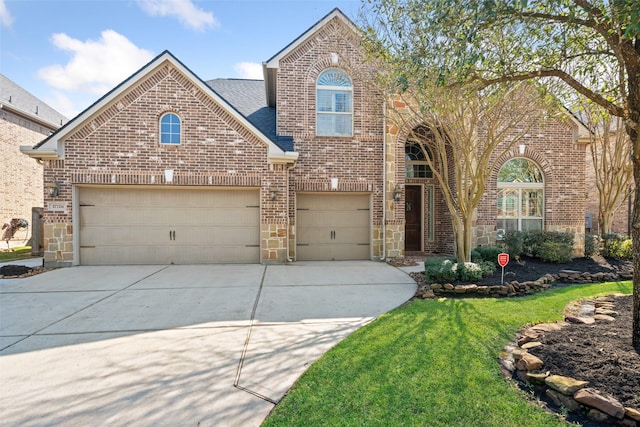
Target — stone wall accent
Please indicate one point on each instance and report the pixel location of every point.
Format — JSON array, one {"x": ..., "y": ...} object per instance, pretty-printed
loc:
[
  {"x": 273, "y": 243},
  {"x": 58, "y": 244}
]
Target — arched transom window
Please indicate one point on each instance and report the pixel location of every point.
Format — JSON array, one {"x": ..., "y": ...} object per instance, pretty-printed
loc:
[
  {"x": 170, "y": 129},
  {"x": 334, "y": 104},
  {"x": 520, "y": 196},
  {"x": 416, "y": 165}
]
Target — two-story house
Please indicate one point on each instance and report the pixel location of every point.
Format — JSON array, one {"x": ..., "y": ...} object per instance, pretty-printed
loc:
[{"x": 169, "y": 168}]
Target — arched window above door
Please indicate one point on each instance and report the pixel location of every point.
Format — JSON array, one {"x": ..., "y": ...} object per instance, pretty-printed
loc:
[{"x": 416, "y": 165}]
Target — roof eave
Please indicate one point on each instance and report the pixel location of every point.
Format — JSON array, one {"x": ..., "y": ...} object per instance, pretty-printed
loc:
[{"x": 40, "y": 154}]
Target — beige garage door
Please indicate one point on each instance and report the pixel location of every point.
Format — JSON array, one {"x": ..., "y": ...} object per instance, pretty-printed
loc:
[
  {"x": 333, "y": 227},
  {"x": 165, "y": 226}
]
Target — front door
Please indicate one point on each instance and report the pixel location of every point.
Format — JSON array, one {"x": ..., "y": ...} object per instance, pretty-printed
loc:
[{"x": 413, "y": 218}]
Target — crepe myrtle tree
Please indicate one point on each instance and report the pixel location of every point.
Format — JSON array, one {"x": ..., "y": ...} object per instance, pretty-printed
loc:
[
  {"x": 463, "y": 133},
  {"x": 611, "y": 156},
  {"x": 575, "y": 42}
]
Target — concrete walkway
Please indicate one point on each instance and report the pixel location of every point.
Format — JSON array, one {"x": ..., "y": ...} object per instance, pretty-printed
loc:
[{"x": 217, "y": 345}]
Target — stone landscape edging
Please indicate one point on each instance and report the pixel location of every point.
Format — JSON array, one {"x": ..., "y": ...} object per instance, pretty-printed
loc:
[
  {"x": 572, "y": 394},
  {"x": 515, "y": 288}
]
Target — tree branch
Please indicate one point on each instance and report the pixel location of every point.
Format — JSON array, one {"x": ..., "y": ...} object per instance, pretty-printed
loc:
[{"x": 612, "y": 108}]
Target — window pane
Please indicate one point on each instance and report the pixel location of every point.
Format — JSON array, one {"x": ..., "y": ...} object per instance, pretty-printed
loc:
[
  {"x": 507, "y": 224},
  {"x": 508, "y": 202},
  {"x": 325, "y": 102},
  {"x": 532, "y": 203},
  {"x": 520, "y": 170},
  {"x": 531, "y": 225}
]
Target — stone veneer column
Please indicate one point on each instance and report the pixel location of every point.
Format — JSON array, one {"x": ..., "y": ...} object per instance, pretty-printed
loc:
[
  {"x": 273, "y": 243},
  {"x": 58, "y": 244}
]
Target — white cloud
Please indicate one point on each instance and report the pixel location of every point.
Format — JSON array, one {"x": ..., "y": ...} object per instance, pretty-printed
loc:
[
  {"x": 62, "y": 104},
  {"x": 95, "y": 66},
  {"x": 186, "y": 12},
  {"x": 5, "y": 17},
  {"x": 249, "y": 70}
]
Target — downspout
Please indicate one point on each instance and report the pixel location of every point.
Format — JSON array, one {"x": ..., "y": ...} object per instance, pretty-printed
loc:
[
  {"x": 289, "y": 169},
  {"x": 384, "y": 181}
]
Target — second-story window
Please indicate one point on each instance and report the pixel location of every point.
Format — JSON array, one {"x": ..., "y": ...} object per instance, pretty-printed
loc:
[
  {"x": 334, "y": 104},
  {"x": 170, "y": 129}
]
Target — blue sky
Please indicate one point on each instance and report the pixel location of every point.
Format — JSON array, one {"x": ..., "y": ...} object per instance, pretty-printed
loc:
[{"x": 69, "y": 53}]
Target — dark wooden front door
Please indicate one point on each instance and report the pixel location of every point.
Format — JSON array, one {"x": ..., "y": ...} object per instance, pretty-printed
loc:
[{"x": 413, "y": 218}]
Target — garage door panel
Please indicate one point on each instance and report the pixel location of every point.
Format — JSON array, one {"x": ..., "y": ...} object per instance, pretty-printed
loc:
[
  {"x": 333, "y": 226},
  {"x": 162, "y": 226}
]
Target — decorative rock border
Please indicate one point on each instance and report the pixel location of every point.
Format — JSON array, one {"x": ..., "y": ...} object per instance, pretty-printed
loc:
[
  {"x": 565, "y": 392},
  {"x": 514, "y": 288}
]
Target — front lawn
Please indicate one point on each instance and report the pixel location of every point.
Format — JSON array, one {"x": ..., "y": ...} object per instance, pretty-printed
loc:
[
  {"x": 16, "y": 254},
  {"x": 429, "y": 363}
]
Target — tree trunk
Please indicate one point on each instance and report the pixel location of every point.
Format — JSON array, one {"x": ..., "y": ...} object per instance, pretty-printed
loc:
[{"x": 635, "y": 236}]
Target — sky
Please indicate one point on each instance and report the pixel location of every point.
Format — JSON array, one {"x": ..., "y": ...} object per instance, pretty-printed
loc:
[{"x": 68, "y": 53}]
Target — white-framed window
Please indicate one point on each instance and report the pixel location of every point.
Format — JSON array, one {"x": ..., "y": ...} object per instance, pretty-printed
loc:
[
  {"x": 334, "y": 104},
  {"x": 520, "y": 196},
  {"x": 170, "y": 129},
  {"x": 416, "y": 165}
]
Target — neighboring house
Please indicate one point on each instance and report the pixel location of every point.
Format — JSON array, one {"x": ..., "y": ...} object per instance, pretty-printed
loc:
[
  {"x": 168, "y": 168},
  {"x": 25, "y": 120}
]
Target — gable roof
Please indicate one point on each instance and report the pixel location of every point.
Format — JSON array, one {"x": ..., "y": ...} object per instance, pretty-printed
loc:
[
  {"x": 17, "y": 100},
  {"x": 53, "y": 146},
  {"x": 271, "y": 66}
]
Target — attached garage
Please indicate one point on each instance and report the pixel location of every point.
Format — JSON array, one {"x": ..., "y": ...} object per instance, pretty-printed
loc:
[
  {"x": 333, "y": 226},
  {"x": 141, "y": 225}
]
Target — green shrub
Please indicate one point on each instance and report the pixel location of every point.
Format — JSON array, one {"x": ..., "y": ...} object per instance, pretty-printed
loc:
[
  {"x": 534, "y": 240},
  {"x": 617, "y": 246},
  {"x": 488, "y": 253},
  {"x": 476, "y": 256},
  {"x": 514, "y": 243},
  {"x": 489, "y": 267},
  {"x": 558, "y": 252},
  {"x": 591, "y": 246},
  {"x": 439, "y": 270},
  {"x": 468, "y": 271}
]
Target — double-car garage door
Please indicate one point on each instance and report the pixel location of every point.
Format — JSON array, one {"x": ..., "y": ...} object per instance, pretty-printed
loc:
[{"x": 168, "y": 226}]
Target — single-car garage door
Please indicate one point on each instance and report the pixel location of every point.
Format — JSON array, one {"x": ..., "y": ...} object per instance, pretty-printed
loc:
[
  {"x": 134, "y": 225},
  {"x": 333, "y": 227}
]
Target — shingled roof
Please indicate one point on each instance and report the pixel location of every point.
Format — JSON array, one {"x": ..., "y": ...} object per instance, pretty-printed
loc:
[
  {"x": 248, "y": 98},
  {"x": 15, "y": 98}
]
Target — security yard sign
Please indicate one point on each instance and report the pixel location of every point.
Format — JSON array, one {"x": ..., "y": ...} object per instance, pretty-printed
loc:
[{"x": 503, "y": 260}]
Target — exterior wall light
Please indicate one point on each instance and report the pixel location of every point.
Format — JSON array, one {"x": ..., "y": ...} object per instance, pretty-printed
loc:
[
  {"x": 397, "y": 193},
  {"x": 273, "y": 194},
  {"x": 52, "y": 189}
]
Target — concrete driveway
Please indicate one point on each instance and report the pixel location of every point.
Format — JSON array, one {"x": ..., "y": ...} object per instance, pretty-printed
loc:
[{"x": 217, "y": 345}]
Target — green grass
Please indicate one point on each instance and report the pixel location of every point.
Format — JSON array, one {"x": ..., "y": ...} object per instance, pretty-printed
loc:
[
  {"x": 16, "y": 254},
  {"x": 429, "y": 363}
]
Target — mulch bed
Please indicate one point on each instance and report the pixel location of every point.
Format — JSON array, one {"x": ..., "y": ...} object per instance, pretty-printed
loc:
[{"x": 600, "y": 353}]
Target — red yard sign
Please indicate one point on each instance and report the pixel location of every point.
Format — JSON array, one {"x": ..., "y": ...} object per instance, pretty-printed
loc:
[{"x": 503, "y": 260}]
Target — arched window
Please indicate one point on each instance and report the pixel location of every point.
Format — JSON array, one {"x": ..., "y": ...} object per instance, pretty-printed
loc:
[
  {"x": 170, "y": 129},
  {"x": 334, "y": 104},
  {"x": 416, "y": 165},
  {"x": 520, "y": 196}
]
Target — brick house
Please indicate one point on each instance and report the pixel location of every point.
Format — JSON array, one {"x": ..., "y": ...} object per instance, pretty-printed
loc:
[
  {"x": 168, "y": 168},
  {"x": 25, "y": 119}
]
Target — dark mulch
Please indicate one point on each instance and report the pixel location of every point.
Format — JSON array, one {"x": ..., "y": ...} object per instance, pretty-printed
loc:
[
  {"x": 600, "y": 353},
  {"x": 531, "y": 269}
]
